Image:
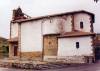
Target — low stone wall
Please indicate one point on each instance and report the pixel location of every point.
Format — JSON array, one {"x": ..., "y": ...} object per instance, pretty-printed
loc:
[
  {"x": 33, "y": 65},
  {"x": 52, "y": 62},
  {"x": 5, "y": 64},
  {"x": 50, "y": 58},
  {"x": 36, "y": 65},
  {"x": 70, "y": 59}
]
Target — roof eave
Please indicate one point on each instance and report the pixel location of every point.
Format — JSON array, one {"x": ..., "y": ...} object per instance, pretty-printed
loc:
[{"x": 36, "y": 18}]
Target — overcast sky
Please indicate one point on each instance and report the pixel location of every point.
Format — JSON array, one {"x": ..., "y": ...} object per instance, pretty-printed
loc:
[{"x": 44, "y": 7}]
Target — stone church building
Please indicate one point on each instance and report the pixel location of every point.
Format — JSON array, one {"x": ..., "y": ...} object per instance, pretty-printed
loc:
[{"x": 58, "y": 37}]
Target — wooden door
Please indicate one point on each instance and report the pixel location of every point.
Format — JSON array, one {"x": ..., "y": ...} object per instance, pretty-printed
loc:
[
  {"x": 50, "y": 45},
  {"x": 15, "y": 50}
]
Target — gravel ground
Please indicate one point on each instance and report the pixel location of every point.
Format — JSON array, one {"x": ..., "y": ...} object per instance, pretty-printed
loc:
[{"x": 85, "y": 67}]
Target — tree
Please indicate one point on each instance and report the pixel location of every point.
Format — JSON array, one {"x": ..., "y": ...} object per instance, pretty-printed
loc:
[{"x": 96, "y": 1}]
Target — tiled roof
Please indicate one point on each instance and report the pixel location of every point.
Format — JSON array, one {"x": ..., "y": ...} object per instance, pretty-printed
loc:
[
  {"x": 59, "y": 14},
  {"x": 76, "y": 34}
]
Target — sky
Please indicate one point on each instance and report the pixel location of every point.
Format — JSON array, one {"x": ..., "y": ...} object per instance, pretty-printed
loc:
[{"x": 36, "y": 8}]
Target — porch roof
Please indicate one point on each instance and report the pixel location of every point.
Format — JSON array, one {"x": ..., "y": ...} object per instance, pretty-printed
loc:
[{"x": 15, "y": 39}]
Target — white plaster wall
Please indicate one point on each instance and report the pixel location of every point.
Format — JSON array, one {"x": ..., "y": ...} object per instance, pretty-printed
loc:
[
  {"x": 86, "y": 22},
  {"x": 53, "y": 25},
  {"x": 32, "y": 32},
  {"x": 67, "y": 46},
  {"x": 14, "y": 30},
  {"x": 68, "y": 24},
  {"x": 31, "y": 39},
  {"x": 50, "y": 27}
]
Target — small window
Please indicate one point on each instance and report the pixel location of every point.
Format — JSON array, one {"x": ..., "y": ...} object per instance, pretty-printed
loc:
[
  {"x": 81, "y": 25},
  {"x": 77, "y": 45}
]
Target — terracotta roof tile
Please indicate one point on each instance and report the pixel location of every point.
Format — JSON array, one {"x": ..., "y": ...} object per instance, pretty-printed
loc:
[
  {"x": 40, "y": 17},
  {"x": 76, "y": 34}
]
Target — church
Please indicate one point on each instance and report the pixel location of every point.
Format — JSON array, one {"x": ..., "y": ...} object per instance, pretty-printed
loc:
[{"x": 67, "y": 37}]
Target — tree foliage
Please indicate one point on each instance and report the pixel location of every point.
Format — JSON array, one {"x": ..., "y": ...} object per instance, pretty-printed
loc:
[{"x": 96, "y": 1}]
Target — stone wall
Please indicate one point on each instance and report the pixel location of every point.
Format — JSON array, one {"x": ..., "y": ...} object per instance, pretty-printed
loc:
[
  {"x": 31, "y": 55},
  {"x": 50, "y": 45},
  {"x": 76, "y": 59}
]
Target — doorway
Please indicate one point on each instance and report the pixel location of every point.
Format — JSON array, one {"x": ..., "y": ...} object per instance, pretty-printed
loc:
[
  {"x": 97, "y": 53},
  {"x": 15, "y": 50},
  {"x": 50, "y": 44}
]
